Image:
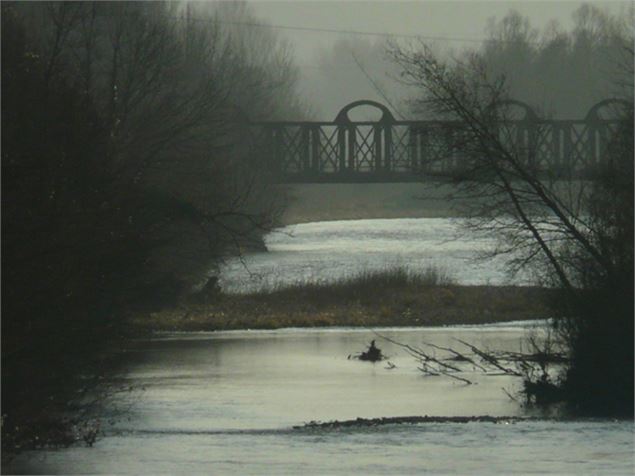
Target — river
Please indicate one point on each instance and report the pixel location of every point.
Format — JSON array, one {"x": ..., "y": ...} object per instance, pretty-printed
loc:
[
  {"x": 228, "y": 402},
  {"x": 329, "y": 250}
]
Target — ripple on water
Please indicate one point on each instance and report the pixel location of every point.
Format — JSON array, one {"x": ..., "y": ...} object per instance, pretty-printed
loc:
[{"x": 327, "y": 251}]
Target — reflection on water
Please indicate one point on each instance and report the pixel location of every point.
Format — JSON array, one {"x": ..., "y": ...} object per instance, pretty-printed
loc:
[
  {"x": 282, "y": 378},
  {"x": 226, "y": 402},
  {"x": 330, "y": 250}
]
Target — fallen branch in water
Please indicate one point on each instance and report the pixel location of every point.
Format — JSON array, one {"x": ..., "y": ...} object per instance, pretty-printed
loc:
[
  {"x": 533, "y": 367},
  {"x": 458, "y": 355},
  {"x": 491, "y": 359},
  {"x": 439, "y": 368}
]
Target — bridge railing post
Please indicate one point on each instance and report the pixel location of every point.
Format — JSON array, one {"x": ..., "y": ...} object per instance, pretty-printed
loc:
[
  {"x": 341, "y": 140},
  {"x": 424, "y": 150},
  {"x": 568, "y": 161},
  {"x": 413, "y": 150},
  {"x": 378, "y": 146},
  {"x": 315, "y": 150},
  {"x": 304, "y": 149},
  {"x": 556, "y": 146},
  {"x": 447, "y": 161},
  {"x": 592, "y": 156},
  {"x": 352, "y": 140},
  {"x": 387, "y": 147}
]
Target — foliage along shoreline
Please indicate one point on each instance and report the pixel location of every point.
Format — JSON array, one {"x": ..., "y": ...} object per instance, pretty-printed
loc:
[{"x": 313, "y": 306}]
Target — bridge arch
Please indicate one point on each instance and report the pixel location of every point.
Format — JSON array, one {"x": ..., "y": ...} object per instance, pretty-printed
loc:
[
  {"x": 594, "y": 112},
  {"x": 530, "y": 115},
  {"x": 342, "y": 116}
]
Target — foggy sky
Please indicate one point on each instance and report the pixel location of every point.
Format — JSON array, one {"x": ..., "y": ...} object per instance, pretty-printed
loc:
[
  {"x": 453, "y": 21},
  {"x": 460, "y": 19}
]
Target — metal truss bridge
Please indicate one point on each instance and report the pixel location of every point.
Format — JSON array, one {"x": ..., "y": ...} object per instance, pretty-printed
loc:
[{"x": 390, "y": 150}]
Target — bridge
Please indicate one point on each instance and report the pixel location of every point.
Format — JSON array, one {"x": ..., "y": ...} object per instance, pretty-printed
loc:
[{"x": 390, "y": 150}]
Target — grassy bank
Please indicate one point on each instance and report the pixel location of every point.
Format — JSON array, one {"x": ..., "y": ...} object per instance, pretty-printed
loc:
[{"x": 388, "y": 298}]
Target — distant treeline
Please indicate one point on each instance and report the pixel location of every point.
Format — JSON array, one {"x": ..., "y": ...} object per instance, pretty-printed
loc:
[
  {"x": 127, "y": 168},
  {"x": 560, "y": 73}
]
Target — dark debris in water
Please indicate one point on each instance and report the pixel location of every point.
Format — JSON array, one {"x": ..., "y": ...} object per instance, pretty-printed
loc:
[
  {"x": 365, "y": 422},
  {"x": 372, "y": 354}
]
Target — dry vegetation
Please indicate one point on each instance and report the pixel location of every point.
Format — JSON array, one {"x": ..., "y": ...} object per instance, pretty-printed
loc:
[{"x": 389, "y": 298}]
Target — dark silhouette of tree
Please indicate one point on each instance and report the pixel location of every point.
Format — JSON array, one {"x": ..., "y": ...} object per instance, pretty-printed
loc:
[
  {"x": 128, "y": 171},
  {"x": 575, "y": 234}
]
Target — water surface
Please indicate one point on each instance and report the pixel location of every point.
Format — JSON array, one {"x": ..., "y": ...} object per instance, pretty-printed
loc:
[
  {"x": 227, "y": 402},
  {"x": 326, "y": 251}
]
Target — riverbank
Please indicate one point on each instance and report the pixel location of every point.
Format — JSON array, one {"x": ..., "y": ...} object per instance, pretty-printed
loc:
[
  {"x": 316, "y": 202},
  {"x": 373, "y": 303}
]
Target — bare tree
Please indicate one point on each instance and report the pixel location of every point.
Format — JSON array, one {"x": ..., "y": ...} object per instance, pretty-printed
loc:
[
  {"x": 548, "y": 219},
  {"x": 169, "y": 85},
  {"x": 526, "y": 212},
  {"x": 128, "y": 170}
]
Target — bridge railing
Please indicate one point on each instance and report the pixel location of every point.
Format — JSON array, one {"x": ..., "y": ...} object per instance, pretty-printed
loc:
[{"x": 345, "y": 150}]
